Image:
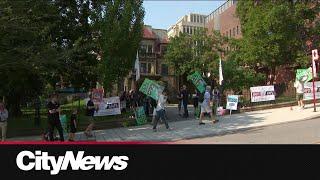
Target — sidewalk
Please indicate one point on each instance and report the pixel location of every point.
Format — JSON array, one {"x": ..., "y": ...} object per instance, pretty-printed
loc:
[{"x": 190, "y": 129}]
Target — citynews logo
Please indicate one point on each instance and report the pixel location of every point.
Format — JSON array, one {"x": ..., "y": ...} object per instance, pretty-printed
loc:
[{"x": 42, "y": 161}]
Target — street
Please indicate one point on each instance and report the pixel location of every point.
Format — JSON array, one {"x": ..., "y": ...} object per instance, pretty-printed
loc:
[{"x": 301, "y": 132}]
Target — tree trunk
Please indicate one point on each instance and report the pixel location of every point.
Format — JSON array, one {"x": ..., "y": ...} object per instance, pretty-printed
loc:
[
  {"x": 14, "y": 106},
  {"x": 272, "y": 75}
]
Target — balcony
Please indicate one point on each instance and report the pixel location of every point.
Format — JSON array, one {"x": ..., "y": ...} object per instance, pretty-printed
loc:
[{"x": 147, "y": 55}]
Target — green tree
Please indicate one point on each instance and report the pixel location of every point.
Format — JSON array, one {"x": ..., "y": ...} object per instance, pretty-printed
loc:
[
  {"x": 25, "y": 49},
  {"x": 121, "y": 32},
  {"x": 274, "y": 33},
  {"x": 197, "y": 52}
]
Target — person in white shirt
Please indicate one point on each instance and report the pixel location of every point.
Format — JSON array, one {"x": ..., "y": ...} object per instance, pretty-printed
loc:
[
  {"x": 3, "y": 121},
  {"x": 299, "y": 85},
  {"x": 205, "y": 106},
  {"x": 160, "y": 111}
]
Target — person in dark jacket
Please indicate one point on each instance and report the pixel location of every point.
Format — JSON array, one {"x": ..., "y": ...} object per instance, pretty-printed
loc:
[
  {"x": 185, "y": 97},
  {"x": 54, "y": 117}
]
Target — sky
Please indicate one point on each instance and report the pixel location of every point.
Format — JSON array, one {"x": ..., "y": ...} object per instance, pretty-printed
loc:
[{"x": 161, "y": 14}]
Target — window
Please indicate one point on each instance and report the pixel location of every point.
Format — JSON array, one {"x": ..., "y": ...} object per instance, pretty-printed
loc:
[
  {"x": 234, "y": 31},
  {"x": 150, "y": 49},
  {"x": 143, "y": 68},
  {"x": 237, "y": 29},
  {"x": 163, "y": 49},
  {"x": 184, "y": 29},
  {"x": 230, "y": 32},
  {"x": 143, "y": 49},
  {"x": 191, "y": 28},
  {"x": 149, "y": 68},
  {"x": 164, "y": 70},
  {"x": 227, "y": 33},
  {"x": 198, "y": 18}
]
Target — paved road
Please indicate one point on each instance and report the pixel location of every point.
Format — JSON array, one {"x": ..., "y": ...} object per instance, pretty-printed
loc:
[{"x": 302, "y": 132}]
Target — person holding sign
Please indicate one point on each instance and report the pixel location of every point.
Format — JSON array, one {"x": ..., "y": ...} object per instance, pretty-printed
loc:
[
  {"x": 185, "y": 97},
  {"x": 160, "y": 111},
  {"x": 205, "y": 106},
  {"x": 299, "y": 85}
]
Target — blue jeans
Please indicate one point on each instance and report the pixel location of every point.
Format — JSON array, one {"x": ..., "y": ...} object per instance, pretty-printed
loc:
[{"x": 160, "y": 114}]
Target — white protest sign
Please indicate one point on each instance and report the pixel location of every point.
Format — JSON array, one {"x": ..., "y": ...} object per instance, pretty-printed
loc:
[
  {"x": 232, "y": 102},
  {"x": 109, "y": 106},
  {"x": 308, "y": 90},
  {"x": 262, "y": 93}
]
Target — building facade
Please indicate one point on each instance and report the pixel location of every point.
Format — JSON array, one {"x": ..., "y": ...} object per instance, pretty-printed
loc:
[
  {"x": 187, "y": 24},
  {"x": 151, "y": 59}
]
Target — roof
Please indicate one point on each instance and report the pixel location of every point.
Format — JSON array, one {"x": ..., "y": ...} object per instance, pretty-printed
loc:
[{"x": 147, "y": 33}]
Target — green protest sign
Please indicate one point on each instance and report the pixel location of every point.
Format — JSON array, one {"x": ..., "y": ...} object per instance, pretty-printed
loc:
[
  {"x": 151, "y": 88},
  {"x": 64, "y": 123},
  {"x": 198, "y": 81},
  {"x": 141, "y": 117},
  {"x": 304, "y": 75}
]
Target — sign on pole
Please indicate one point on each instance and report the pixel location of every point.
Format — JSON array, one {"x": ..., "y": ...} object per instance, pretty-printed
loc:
[
  {"x": 198, "y": 81},
  {"x": 232, "y": 102},
  {"x": 151, "y": 89}
]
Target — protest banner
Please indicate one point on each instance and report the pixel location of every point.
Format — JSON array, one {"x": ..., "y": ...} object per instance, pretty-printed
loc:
[
  {"x": 262, "y": 93},
  {"x": 308, "y": 90},
  {"x": 232, "y": 102},
  {"x": 304, "y": 75},
  {"x": 151, "y": 88},
  {"x": 108, "y": 106},
  {"x": 198, "y": 81},
  {"x": 141, "y": 117}
]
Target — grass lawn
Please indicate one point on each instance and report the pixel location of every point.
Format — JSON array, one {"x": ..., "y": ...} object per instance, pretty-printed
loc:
[{"x": 25, "y": 126}]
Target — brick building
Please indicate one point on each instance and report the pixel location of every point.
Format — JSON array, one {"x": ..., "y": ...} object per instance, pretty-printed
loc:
[{"x": 151, "y": 58}]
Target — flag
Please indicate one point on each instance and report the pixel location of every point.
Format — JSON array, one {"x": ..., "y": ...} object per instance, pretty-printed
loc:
[
  {"x": 220, "y": 73},
  {"x": 137, "y": 67}
]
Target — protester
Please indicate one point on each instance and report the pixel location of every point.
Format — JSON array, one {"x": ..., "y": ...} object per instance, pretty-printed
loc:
[
  {"x": 185, "y": 97},
  {"x": 205, "y": 106},
  {"x": 54, "y": 118},
  {"x": 3, "y": 121},
  {"x": 73, "y": 125},
  {"x": 299, "y": 85},
  {"x": 90, "y": 113},
  {"x": 179, "y": 97},
  {"x": 195, "y": 98},
  {"x": 160, "y": 111},
  {"x": 154, "y": 112}
]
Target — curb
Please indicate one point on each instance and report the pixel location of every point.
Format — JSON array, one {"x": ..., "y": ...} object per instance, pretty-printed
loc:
[{"x": 227, "y": 132}]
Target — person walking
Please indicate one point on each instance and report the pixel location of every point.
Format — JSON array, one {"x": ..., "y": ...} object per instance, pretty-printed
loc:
[
  {"x": 90, "y": 114},
  {"x": 205, "y": 106},
  {"x": 185, "y": 97},
  {"x": 160, "y": 111},
  {"x": 54, "y": 118},
  {"x": 299, "y": 85},
  {"x": 73, "y": 125},
  {"x": 179, "y": 97},
  {"x": 3, "y": 121},
  {"x": 195, "y": 98}
]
